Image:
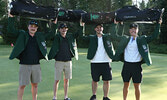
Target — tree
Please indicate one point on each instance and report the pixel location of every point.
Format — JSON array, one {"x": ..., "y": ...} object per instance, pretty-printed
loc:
[
  {"x": 142, "y": 5},
  {"x": 116, "y": 4},
  {"x": 161, "y": 4},
  {"x": 3, "y": 12},
  {"x": 3, "y": 8}
]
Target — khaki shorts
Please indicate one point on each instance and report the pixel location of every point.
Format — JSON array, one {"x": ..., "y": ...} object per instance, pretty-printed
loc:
[
  {"x": 29, "y": 73},
  {"x": 61, "y": 67}
]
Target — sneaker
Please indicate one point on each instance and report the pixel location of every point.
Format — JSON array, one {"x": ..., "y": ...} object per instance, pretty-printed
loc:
[
  {"x": 93, "y": 97},
  {"x": 53, "y": 99},
  {"x": 67, "y": 99},
  {"x": 106, "y": 98}
]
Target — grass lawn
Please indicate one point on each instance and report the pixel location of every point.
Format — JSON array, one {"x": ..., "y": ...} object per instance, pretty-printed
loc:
[{"x": 154, "y": 85}]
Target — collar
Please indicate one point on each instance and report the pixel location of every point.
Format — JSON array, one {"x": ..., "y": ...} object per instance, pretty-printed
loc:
[
  {"x": 132, "y": 38},
  {"x": 101, "y": 34}
]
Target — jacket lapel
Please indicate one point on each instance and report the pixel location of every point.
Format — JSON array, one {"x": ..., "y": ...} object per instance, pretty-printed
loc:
[
  {"x": 127, "y": 41},
  {"x": 96, "y": 40},
  {"x": 27, "y": 38},
  {"x": 138, "y": 42},
  {"x": 104, "y": 39}
]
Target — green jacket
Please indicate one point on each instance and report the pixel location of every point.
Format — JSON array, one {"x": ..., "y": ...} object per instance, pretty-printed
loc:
[
  {"x": 71, "y": 41},
  {"x": 142, "y": 44},
  {"x": 23, "y": 37},
  {"x": 93, "y": 44}
]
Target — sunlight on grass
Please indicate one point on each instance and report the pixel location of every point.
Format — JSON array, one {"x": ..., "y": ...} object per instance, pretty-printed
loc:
[
  {"x": 7, "y": 85},
  {"x": 154, "y": 85},
  {"x": 82, "y": 53}
]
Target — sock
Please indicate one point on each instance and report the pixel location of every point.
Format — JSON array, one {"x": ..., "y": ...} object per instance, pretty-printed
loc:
[
  {"x": 94, "y": 96},
  {"x": 54, "y": 97}
]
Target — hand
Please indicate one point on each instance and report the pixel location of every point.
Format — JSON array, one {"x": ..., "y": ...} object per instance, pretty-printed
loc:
[
  {"x": 82, "y": 23},
  {"x": 121, "y": 23},
  {"x": 118, "y": 22},
  {"x": 160, "y": 21},
  {"x": 55, "y": 21},
  {"x": 10, "y": 15}
]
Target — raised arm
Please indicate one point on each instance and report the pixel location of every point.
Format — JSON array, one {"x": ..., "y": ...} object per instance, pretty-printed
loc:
[
  {"x": 117, "y": 31},
  {"x": 82, "y": 32},
  {"x": 79, "y": 32},
  {"x": 11, "y": 26},
  {"x": 50, "y": 32},
  {"x": 156, "y": 32}
]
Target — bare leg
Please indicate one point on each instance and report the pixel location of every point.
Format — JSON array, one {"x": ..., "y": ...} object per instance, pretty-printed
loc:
[
  {"x": 137, "y": 90},
  {"x": 20, "y": 92},
  {"x": 55, "y": 88},
  {"x": 94, "y": 87},
  {"x": 125, "y": 90},
  {"x": 106, "y": 87},
  {"x": 34, "y": 90},
  {"x": 66, "y": 85}
]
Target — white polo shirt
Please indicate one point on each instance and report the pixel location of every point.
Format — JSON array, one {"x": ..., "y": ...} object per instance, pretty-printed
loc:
[
  {"x": 131, "y": 53},
  {"x": 101, "y": 55}
]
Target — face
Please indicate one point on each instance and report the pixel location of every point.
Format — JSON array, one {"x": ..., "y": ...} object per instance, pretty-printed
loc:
[
  {"x": 63, "y": 31},
  {"x": 133, "y": 32},
  {"x": 32, "y": 29},
  {"x": 99, "y": 29}
]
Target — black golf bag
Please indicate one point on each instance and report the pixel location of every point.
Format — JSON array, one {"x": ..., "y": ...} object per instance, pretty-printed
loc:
[
  {"x": 27, "y": 8},
  {"x": 70, "y": 15},
  {"x": 132, "y": 13},
  {"x": 98, "y": 18}
]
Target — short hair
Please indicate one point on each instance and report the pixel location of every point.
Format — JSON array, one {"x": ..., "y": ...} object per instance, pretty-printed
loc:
[
  {"x": 33, "y": 22},
  {"x": 63, "y": 25},
  {"x": 133, "y": 25},
  {"x": 98, "y": 25}
]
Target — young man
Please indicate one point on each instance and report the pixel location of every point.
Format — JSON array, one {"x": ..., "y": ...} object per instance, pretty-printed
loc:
[
  {"x": 100, "y": 52},
  {"x": 133, "y": 51},
  {"x": 63, "y": 49},
  {"x": 30, "y": 47}
]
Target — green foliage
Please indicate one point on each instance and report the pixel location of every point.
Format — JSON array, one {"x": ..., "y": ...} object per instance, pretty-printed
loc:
[
  {"x": 142, "y": 5},
  {"x": 7, "y": 39},
  {"x": 158, "y": 48},
  {"x": 161, "y": 4},
  {"x": 3, "y": 8},
  {"x": 45, "y": 2},
  {"x": 116, "y": 4}
]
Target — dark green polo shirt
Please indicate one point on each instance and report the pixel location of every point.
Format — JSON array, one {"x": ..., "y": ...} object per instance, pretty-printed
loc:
[
  {"x": 31, "y": 53},
  {"x": 64, "y": 53}
]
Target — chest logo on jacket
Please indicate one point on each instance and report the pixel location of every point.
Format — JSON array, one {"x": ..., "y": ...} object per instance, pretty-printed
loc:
[
  {"x": 43, "y": 44},
  {"x": 109, "y": 44},
  {"x": 145, "y": 48}
]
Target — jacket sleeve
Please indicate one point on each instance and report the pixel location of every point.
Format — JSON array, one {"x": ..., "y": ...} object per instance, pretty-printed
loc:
[
  {"x": 155, "y": 34},
  {"x": 11, "y": 27},
  {"x": 49, "y": 32},
  {"x": 117, "y": 31},
  {"x": 54, "y": 47},
  {"x": 82, "y": 35},
  {"x": 79, "y": 32}
]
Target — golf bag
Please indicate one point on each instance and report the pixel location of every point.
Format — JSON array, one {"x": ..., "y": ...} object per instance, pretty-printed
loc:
[
  {"x": 98, "y": 18},
  {"x": 70, "y": 15},
  {"x": 132, "y": 13},
  {"x": 27, "y": 8}
]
